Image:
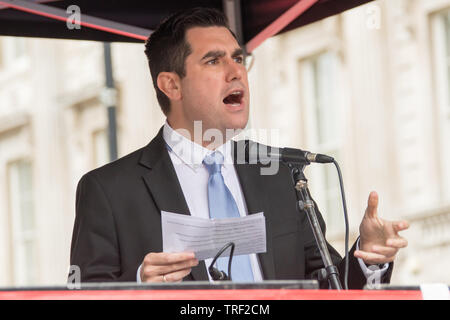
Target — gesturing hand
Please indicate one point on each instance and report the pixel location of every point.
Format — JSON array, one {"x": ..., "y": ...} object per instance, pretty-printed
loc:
[{"x": 379, "y": 238}]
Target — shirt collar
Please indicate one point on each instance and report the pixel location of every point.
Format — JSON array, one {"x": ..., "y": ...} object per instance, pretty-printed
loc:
[{"x": 191, "y": 153}]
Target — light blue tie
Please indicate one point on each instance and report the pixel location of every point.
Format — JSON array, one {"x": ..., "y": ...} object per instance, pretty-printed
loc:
[{"x": 222, "y": 205}]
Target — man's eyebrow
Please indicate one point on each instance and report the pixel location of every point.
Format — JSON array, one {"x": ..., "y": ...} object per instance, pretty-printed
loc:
[
  {"x": 221, "y": 53},
  {"x": 214, "y": 54},
  {"x": 238, "y": 52}
]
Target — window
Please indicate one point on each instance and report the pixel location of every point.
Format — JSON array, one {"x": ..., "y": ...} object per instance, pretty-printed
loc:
[
  {"x": 446, "y": 24},
  {"x": 320, "y": 101},
  {"x": 12, "y": 49},
  {"x": 18, "y": 48},
  {"x": 440, "y": 28},
  {"x": 14, "y": 59},
  {"x": 24, "y": 257}
]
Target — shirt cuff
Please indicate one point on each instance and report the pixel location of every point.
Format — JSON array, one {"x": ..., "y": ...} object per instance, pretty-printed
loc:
[
  {"x": 138, "y": 275},
  {"x": 373, "y": 272}
]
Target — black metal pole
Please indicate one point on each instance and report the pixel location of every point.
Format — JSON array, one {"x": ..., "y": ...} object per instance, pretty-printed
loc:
[
  {"x": 306, "y": 204},
  {"x": 109, "y": 99},
  {"x": 232, "y": 9}
]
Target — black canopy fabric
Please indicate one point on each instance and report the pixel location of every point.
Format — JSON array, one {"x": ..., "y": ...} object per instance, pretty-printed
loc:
[{"x": 256, "y": 15}]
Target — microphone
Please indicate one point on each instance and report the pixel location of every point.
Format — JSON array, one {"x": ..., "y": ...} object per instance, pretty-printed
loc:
[
  {"x": 255, "y": 152},
  {"x": 218, "y": 275}
]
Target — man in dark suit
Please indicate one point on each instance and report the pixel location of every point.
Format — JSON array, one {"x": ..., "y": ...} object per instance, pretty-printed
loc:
[{"x": 198, "y": 73}]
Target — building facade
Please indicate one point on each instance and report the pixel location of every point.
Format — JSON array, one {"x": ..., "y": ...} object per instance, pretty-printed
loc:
[{"x": 370, "y": 87}]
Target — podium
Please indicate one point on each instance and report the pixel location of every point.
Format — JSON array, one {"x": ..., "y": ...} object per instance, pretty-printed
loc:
[{"x": 190, "y": 291}]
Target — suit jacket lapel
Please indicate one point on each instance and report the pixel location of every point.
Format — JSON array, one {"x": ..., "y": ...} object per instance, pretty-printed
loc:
[
  {"x": 164, "y": 186},
  {"x": 253, "y": 188},
  {"x": 161, "y": 179}
]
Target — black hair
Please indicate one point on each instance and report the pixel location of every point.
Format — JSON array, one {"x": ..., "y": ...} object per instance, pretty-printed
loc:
[{"x": 167, "y": 49}]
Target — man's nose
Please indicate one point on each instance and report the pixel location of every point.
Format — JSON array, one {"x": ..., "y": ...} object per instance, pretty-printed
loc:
[{"x": 234, "y": 70}]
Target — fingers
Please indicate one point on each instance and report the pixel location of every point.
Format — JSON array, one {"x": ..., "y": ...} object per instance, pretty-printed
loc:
[
  {"x": 382, "y": 254},
  {"x": 400, "y": 225},
  {"x": 372, "y": 205},
  {"x": 397, "y": 243},
  {"x": 166, "y": 269},
  {"x": 373, "y": 258},
  {"x": 164, "y": 258},
  {"x": 385, "y": 251},
  {"x": 176, "y": 276},
  {"x": 169, "y": 267}
]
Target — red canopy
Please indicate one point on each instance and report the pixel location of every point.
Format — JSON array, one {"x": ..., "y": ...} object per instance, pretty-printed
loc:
[{"x": 133, "y": 20}]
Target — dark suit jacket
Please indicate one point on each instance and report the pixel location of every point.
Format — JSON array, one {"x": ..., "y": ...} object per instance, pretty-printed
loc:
[{"x": 118, "y": 220}]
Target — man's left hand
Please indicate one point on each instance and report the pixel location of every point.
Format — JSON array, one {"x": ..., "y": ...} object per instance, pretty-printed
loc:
[{"x": 379, "y": 238}]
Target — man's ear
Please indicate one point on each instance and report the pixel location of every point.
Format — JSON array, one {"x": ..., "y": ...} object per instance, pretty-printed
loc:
[{"x": 169, "y": 83}]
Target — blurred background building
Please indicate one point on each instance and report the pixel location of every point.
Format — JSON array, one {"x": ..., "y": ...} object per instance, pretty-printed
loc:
[{"x": 370, "y": 86}]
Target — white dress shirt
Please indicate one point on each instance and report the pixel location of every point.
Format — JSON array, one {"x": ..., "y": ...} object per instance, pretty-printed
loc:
[{"x": 187, "y": 158}]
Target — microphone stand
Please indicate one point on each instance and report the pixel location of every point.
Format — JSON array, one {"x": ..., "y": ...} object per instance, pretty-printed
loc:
[{"x": 306, "y": 204}]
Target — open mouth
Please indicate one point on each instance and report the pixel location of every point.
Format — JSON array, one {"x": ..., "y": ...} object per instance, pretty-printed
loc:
[{"x": 234, "y": 99}]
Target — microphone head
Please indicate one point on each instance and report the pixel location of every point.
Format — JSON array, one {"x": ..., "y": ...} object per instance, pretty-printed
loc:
[
  {"x": 319, "y": 158},
  {"x": 257, "y": 152},
  {"x": 297, "y": 156}
]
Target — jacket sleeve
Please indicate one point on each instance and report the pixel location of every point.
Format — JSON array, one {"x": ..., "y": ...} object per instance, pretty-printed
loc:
[{"x": 94, "y": 246}]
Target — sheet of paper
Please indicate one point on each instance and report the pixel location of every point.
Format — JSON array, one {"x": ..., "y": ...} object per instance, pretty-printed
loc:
[{"x": 206, "y": 237}]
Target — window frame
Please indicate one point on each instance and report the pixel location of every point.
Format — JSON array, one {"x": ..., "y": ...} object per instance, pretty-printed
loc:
[
  {"x": 322, "y": 193},
  {"x": 20, "y": 274},
  {"x": 440, "y": 59}
]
